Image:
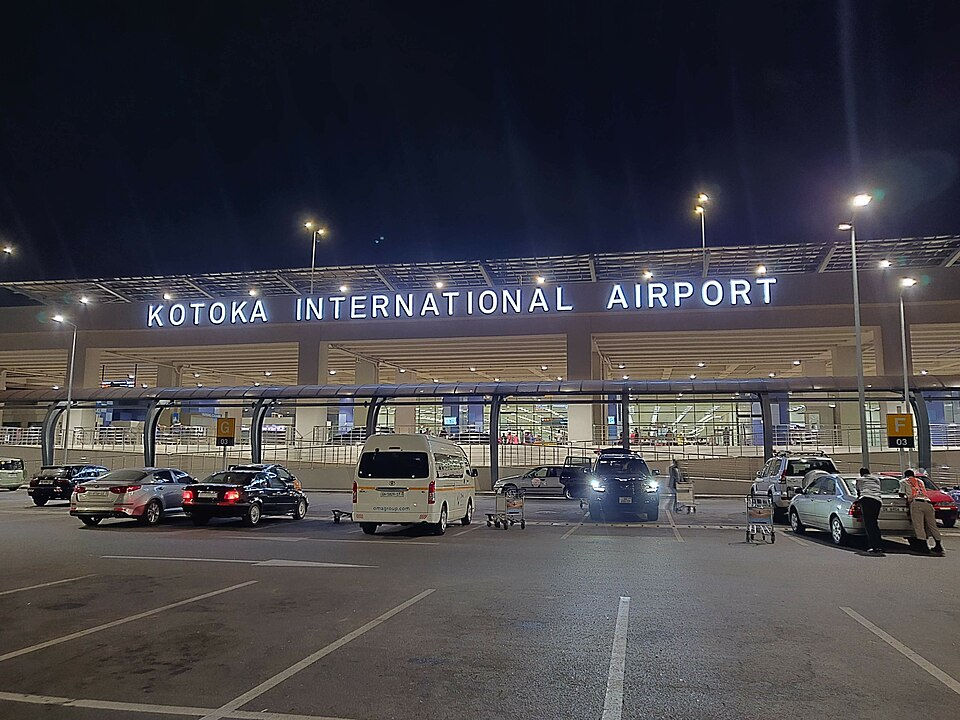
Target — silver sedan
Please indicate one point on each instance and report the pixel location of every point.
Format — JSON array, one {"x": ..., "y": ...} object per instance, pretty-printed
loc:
[
  {"x": 146, "y": 494},
  {"x": 828, "y": 501}
]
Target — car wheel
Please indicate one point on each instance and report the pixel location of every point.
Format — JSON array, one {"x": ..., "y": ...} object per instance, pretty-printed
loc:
[
  {"x": 252, "y": 517},
  {"x": 567, "y": 494},
  {"x": 837, "y": 533},
  {"x": 949, "y": 522},
  {"x": 441, "y": 527},
  {"x": 300, "y": 510},
  {"x": 468, "y": 518},
  {"x": 795, "y": 523},
  {"x": 40, "y": 500},
  {"x": 90, "y": 521},
  {"x": 199, "y": 519},
  {"x": 653, "y": 514},
  {"x": 151, "y": 513},
  {"x": 368, "y": 528},
  {"x": 595, "y": 513}
]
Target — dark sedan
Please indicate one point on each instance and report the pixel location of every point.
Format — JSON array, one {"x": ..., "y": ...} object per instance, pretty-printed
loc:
[
  {"x": 57, "y": 482},
  {"x": 247, "y": 494}
]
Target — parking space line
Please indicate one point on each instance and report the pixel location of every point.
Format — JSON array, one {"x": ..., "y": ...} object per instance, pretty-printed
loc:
[
  {"x": 121, "y": 621},
  {"x": 43, "y": 585},
  {"x": 919, "y": 660},
  {"x": 793, "y": 538},
  {"x": 182, "y": 710},
  {"x": 613, "y": 701},
  {"x": 673, "y": 525},
  {"x": 572, "y": 530},
  {"x": 274, "y": 562},
  {"x": 469, "y": 529},
  {"x": 267, "y": 685}
]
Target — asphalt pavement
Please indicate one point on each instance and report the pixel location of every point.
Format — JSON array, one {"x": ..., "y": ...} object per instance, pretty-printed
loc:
[{"x": 680, "y": 618}]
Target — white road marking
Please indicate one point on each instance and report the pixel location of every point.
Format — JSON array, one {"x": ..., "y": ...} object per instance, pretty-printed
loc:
[
  {"x": 182, "y": 710},
  {"x": 922, "y": 662},
  {"x": 255, "y": 563},
  {"x": 121, "y": 621},
  {"x": 43, "y": 585},
  {"x": 613, "y": 701},
  {"x": 673, "y": 525},
  {"x": 793, "y": 538},
  {"x": 227, "y": 709},
  {"x": 572, "y": 530},
  {"x": 469, "y": 529}
]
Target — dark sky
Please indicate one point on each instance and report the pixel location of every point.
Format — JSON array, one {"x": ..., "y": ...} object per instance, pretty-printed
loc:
[{"x": 142, "y": 137}]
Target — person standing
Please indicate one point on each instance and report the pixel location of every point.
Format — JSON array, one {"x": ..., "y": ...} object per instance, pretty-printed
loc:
[
  {"x": 676, "y": 476},
  {"x": 921, "y": 512},
  {"x": 868, "y": 491}
]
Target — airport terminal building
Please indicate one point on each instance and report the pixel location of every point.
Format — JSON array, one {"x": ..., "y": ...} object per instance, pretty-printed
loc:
[{"x": 725, "y": 357}]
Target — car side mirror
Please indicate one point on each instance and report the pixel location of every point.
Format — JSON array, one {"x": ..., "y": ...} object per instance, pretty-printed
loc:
[
  {"x": 656, "y": 471},
  {"x": 799, "y": 491},
  {"x": 759, "y": 473},
  {"x": 473, "y": 472}
]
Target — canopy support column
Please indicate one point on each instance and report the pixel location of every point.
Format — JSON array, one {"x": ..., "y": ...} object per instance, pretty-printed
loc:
[
  {"x": 766, "y": 420},
  {"x": 48, "y": 437},
  {"x": 924, "y": 441},
  {"x": 150, "y": 423},
  {"x": 373, "y": 414},
  {"x": 625, "y": 419},
  {"x": 260, "y": 409},
  {"x": 494, "y": 431}
]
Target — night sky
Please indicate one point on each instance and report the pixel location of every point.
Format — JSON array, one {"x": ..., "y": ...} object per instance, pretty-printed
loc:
[{"x": 145, "y": 138}]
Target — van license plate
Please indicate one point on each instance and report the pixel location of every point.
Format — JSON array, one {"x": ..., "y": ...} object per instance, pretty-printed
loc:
[
  {"x": 626, "y": 500},
  {"x": 392, "y": 493}
]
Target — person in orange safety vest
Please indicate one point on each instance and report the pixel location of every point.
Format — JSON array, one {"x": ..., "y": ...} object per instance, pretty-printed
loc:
[{"x": 921, "y": 512}]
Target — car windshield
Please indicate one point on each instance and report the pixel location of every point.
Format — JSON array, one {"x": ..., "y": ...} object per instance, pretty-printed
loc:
[
  {"x": 928, "y": 483},
  {"x": 54, "y": 472},
  {"x": 123, "y": 476},
  {"x": 620, "y": 464},
  {"x": 393, "y": 464},
  {"x": 234, "y": 477},
  {"x": 801, "y": 466},
  {"x": 11, "y": 464}
]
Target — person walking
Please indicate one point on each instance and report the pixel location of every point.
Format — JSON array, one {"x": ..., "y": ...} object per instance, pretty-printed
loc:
[
  {"x": 868, "y": 491},
  {"x": 676, "y": 476},
  {"x": 921, "y": 513}
]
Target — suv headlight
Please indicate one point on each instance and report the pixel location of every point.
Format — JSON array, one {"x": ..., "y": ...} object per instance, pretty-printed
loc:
[
  {"x": 597, "y": 485},
  {"x": 651, "y": 486}
]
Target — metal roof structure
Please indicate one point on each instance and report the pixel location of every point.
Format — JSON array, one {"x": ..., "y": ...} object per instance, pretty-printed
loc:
[
  {"x": 425, "y": 391},
  {"x": 937, "y": 251}
]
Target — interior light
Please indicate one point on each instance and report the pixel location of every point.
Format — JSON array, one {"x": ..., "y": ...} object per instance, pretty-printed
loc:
[
  {"x": 496, "y": 379},
  {"x": 543, "y": 367},
  {"x": 541, "y": 280},
  {"x": 907, "y": 282},
  {"x": 626, "y": 377},
  {"x": 199, "y": 385},
  {"x": 56, "y": 387},
  {"x": 344, "y": 288},
  {"x": 402, "y": 370},
  {"x": 84, "y": 300},
  {"x": 267, "y": 373},
  {"x": 772, "y": 375},
  {"x": 701, "y": 364},
  {"x": 693, "y": 377},
  {"x": 438, "y": 284},
  {"x": 885, "y": 264},
  {"x": 196, "y": 374},
  {"x": 167, "y": 296},
  {"x": 761, "y": 269},
  {"x": 332, "y": 372},
  {"x": 647, "y": 274},
  {"x": 472, "y": 369},
  {"x": 252, "y": 292},
  {"x": 796, "y": 362},
  {"x": 924, "y": 372}
]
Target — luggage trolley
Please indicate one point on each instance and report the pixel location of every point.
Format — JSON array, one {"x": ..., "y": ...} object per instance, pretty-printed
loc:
[
  {"x": 685, "y": 497},
  {"x": 760, "y": 519},
  {"x": 509, "y": 509}
]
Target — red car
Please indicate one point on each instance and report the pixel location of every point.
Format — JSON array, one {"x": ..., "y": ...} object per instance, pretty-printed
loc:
[{"x": 944, "y": 505}]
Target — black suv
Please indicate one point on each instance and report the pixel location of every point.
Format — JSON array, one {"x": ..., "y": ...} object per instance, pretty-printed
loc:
[
  {"x": 621, "y": 483},
  {"x": 56, "y": 482}
]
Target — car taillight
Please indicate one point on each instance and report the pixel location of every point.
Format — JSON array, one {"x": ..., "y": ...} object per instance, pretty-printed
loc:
[
  {"x": 33, "y": 483},
  {"x": 354, "y": 491},
  {"x": 231, "y": 496},
  {"x": 855, "y": 509},
  {"x": 79, "y": 489},
  {"x": 188, "y": 496},
  {"x": 432, "y": 493},
  {"x": 121, "y": 489}
]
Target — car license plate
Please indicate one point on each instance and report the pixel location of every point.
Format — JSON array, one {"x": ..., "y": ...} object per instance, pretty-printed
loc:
[
  {"x": 392, "y": 493},
  {"x": 46, "y": 482},
  {"x": 626, "y": 500},
  {"x": 97, "y": 493},
  {"x": 207, "y": 493}
]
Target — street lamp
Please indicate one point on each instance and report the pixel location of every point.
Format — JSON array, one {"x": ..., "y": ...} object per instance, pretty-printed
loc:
[
  {"x": 318, "y": 232},
  {"x": 701, "y": 210},
  {"x": 858, "y": 201},
  {"x": 66, "y": 418},
  {"x": 904, "y": 284}
]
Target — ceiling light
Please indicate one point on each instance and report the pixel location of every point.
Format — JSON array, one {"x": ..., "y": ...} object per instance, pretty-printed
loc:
[
  {"x": 167, "y": 296},
  {"x": 693, "y": 377},
  {"x": 924, "y": 372},
  {"x": 772, "y": 375},
  {"x": 436, "y": 380},
  {"x": 130, "y": 377},
  {"x": 402, "y": 370},
  {"x": 543, "y": 367},
  {"x": 438, "y": 284},
  {"x": 196, "y": 374},
  {"x": 647, "y": 274},
  {"x": 344, "y": 288},
  {"x": 256, "y": 384},
  {"x": 472, "y": 369},
  {"x": 885, "y": 264},
  {"x": 56, "y": 387},
  {"x": 621, "y": 366},
  {"x": 907, "y": 282},
  {"x": 540, "y": 279},
  {"x": 796, "y": 362},
  {"x": 559, "y": 377},
  {"x": 84, "y": 300},
  {"x": 332, "y": 372},
  {"x": 701, "y": 364},
  {"x": 267, "y": 373},
  {"x": 626, "y": 377},
  {"x": 761, "y": 269},
  {"x": 199, "y": 384},
  {"x": 496, "y": 379},
  {"x": 143, "y": 385},
  {"x": 253, "y": 292}
]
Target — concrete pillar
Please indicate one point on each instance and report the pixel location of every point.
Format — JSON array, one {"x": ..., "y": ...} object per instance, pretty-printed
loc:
[
  {"x": 844, "y": 361},
  {"x": 848, "y": 414},
  {"x": 405, "y": 418},
  {"x": 814, "y": 368},
  {"x": 312, "y": 367},
  {"x": 87, "y": 371},
  {"x": 583, "y": 363},
  {"x": 367, "y": 373},
  {"x": 168, "y": 376},
  {"x": 890, "y": 350},
  {"x": 3, "y": 386}
]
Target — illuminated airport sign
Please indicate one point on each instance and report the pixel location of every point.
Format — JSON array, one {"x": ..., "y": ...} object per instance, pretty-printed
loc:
[{"x": 488, "y": 302}]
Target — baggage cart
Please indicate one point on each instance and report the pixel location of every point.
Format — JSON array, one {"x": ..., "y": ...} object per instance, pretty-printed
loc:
[
  {"x": 760, "y": 519},
  {"x": 685, "y": 497},
  {"x": 509, "y": 509}
]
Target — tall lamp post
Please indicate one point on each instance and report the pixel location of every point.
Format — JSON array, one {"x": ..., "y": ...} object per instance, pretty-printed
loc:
[
  {"x": 905, "y": 283},
  {"x": 318, "y": 232},
  {"x": 66, "y": 418},
  {"x": 701, "y": 210},
  {"x": 858, "y": 201}
]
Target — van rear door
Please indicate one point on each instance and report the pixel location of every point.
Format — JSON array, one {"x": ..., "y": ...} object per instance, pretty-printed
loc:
[{"x": 393, "y": 481}]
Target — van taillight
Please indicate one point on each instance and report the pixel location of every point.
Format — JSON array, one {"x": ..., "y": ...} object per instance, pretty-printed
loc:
[
  {"x": 354, "y": 490},
  {"x": 432, "y": 493}
]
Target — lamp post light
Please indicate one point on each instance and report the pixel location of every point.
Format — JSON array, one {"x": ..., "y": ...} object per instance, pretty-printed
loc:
[
  {"x": 701, "y": 210},
  {"x": 858, "y": 201},
  {"x": 318, "y": 232},
  {"x": 904, "y": 284},
  {"x": 66, "y": 418}
]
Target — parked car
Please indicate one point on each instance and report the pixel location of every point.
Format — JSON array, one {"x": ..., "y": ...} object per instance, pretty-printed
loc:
[
  {"x": 288, "y": 477},
  {"x": 944, "y": 504},
  {"x": 545, "y": 479},
  {"x": 621, "y": 483},
  {"x": 11, "y": 473},
  {"x": 57, "y": 482},
  {"x": 146, "y": 494},
  {"x": 828, "y": 501},
  {"x": 246, "y": 493},
  {"x": 782, "y": 473}
]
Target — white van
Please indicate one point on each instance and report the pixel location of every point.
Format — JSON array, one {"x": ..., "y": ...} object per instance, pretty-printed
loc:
[
  {"x": 11, "y": 473},
  {"x": 407, "y": 479}
]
